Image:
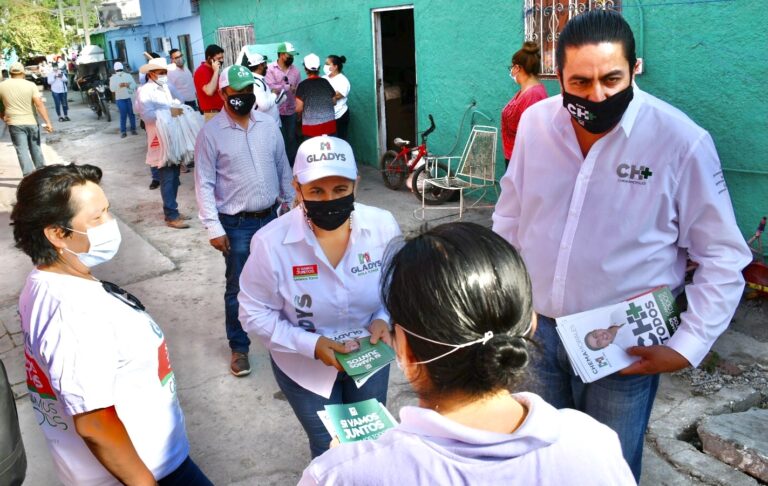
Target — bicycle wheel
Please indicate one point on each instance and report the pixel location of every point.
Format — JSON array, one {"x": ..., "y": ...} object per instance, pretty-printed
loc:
[
  {"x": 393, "y": 170},
  {"x": 105, "y": 109},
  {"x": 434, "y": 195}
]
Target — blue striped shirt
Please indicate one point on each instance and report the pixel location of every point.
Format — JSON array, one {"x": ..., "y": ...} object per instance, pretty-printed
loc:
[{"x": 238, "y": 170}]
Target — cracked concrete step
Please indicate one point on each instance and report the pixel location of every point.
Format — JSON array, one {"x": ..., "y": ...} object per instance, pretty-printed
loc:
[{"x": 738, "y": 439}]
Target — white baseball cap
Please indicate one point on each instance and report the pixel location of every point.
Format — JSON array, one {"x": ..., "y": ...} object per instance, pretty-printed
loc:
[
  {"x": 312, "y": 62},
  {"x": 118, "y": 66},
  {"x": 324, "y": 156},
  {"x": 255, "y": 59}
]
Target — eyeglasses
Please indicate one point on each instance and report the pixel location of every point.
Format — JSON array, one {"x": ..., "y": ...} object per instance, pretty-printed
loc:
[{"x": 122, "y": 295}]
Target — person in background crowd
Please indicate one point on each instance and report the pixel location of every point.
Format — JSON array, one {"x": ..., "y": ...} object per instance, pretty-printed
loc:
[
  {"x": 19, "y": 99},
  {"x": 241, "y": 178},
  {"x": 334, "y": 65},
  {"x": 314, "y": 100},
  {"x": 617, "y": 166},
  {"x": 325, "y": 238},
  {"x": 206, "y": 79},
  {"x": 122, "y": 86},
  {"x": 181, "y": 78},
  {"x": 266, "y": 100},
  {"x": 57, "y": 80},
  {"x": 525, "y": 68},
  {"x": 98, "y": 368},
  {"x": 463, "y": 360},
  {"x": 282, "y": 76},
  {"x": 154, "y": 96}
]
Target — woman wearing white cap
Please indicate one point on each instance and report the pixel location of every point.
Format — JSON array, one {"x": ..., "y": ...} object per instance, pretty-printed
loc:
[{"x": 313, "y": 274}]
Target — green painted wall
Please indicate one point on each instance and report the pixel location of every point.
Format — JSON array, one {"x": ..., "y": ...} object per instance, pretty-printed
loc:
[
  {"x": 101, "y": 41},
  {"x": 710, "y": 59}
]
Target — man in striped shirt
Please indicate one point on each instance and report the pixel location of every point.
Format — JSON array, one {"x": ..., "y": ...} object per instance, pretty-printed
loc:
[{"x": 242, "y": 176}]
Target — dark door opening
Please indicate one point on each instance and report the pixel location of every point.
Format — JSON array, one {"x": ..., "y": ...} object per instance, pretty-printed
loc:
[{"x": 396, "y": 76}]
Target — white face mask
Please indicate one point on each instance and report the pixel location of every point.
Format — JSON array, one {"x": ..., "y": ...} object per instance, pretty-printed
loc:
[
  {"x": 512, "y": 76},
  {"x": 327, "y": 70},
  {"x": 162, "y": 80},
  {"x": 105, "y": 241}
]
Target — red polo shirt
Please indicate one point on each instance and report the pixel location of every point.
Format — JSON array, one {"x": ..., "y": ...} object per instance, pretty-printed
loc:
[{"x": 203, "y": 75}]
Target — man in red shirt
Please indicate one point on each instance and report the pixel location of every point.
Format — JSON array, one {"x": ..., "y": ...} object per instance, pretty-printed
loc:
[{"x": 206, "y": 81}]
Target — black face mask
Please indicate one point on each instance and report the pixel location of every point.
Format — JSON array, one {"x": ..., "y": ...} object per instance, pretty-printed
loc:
[
  {"x": 242, "y": 104},
  {"x": 598, "y": 117},
  {"x": 288, "y": 60},
  {"x": 329, "y": 215}
]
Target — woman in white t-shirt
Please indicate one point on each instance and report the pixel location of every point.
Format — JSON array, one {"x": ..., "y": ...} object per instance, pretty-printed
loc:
[
  {"x": 334, "y": 65},
  {"x": 313, "y": 275},
  {"x": 460, "y": 298},
  {"x": 98, "y": 372}
]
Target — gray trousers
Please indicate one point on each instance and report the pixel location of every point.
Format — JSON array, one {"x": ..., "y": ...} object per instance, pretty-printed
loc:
[{"x": 26, "y": 141}]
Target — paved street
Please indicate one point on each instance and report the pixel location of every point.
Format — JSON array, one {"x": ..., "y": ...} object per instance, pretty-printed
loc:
[{"x": 239, "y": 432}]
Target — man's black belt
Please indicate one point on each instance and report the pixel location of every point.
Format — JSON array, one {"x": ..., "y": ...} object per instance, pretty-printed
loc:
[{"x": 251, "y": 214}]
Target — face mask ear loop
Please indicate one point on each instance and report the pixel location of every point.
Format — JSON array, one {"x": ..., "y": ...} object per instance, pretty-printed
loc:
[{"x": 486, "y": 337}]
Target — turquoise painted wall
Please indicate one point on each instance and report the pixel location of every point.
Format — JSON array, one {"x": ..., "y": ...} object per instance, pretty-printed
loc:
[{"x": 710, "y": 59}]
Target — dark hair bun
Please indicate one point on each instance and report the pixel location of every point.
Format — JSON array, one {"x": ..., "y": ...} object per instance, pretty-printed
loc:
[
  {"x": 502, "y": 358},
  {"x": 343, "y": 59},
  {"x": 531, "y": 48}
]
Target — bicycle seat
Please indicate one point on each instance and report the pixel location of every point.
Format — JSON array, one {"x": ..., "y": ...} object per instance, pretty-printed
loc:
[{"x": 400, "y": 142}]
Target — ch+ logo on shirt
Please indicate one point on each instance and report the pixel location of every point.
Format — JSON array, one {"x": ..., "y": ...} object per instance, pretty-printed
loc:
[{"x": 633, "y": 174}]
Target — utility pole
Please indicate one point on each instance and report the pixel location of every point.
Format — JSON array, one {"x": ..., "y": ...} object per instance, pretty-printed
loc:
[
  {"x": 84, "y": 11},
  {"x": 61, "y": 16}
]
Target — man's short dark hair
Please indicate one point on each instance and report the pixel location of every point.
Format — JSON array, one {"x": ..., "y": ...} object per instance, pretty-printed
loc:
[
  {"x": 172, "y": 52},
  {"x": 594, "y": 27},
  {"x": 43, "y": 199},
  {"x": 213, "y": 50}
]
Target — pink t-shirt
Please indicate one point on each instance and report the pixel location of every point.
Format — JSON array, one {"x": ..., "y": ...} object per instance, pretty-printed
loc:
[{"x": 510, "y": 115}]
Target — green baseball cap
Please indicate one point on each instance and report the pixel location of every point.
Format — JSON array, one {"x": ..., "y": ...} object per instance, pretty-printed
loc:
[
  {"x": 237, "y": 77},
  {"x": 287, "y": 47}
]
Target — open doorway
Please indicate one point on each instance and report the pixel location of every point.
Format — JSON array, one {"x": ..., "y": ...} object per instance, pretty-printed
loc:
[{"x": 395, "y": 50}]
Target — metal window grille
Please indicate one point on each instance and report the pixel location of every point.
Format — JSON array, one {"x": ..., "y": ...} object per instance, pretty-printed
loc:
[
  {"x": 232, "y": 39},
  {"x": 545, "y": 19},
  {"x": 195, "y": 6}
]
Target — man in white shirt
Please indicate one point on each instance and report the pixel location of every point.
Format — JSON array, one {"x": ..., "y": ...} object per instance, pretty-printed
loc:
[
  {"x": 607, "y": 194},
  {"x": 181, "y": 78},
  {"x": 267, "y": 100}
]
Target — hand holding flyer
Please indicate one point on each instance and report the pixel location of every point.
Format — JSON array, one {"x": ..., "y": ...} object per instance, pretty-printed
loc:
[{"x": 596, "y": 340}]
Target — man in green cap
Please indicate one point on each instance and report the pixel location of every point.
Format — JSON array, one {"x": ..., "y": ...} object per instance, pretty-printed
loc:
[
  {"x": 242, "y": 176},
  {"x": 282, "y": 75}
]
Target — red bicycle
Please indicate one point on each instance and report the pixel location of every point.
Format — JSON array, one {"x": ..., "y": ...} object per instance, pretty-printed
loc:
[{"x": 397, "y": 166}]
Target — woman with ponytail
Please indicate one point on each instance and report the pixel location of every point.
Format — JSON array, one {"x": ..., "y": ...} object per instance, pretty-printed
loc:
[
  {"x": 460, "y": 298},
  {"x": 525, "y": 68}
]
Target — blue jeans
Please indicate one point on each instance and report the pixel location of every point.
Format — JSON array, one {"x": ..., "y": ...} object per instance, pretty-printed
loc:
[
  {"x": 289, "y": 136},
  {"x": 126, "y": 112},
  {"x": 26, "y": 141},
  {"x": 623, "y": 403},
  {"x": 155, "y": 173},
  {"x": 305, "y": 404},
  {"x": 60, "y": 100},
  {"x": 187, "y": 474},
  {"x": 239, "y": 230},
  {"x": 169, "y": 188}
]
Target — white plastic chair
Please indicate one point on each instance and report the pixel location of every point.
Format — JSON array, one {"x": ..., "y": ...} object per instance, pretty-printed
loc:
[{"x": 474, "y": 170}]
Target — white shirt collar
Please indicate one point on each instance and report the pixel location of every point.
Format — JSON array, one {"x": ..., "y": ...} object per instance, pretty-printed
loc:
[{"x": 299, "y": 229}]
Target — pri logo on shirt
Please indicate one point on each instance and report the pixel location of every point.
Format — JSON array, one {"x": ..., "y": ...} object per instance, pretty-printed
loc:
[
  {"x": 366, "y": 265},
  {"x": 633, "y": 174},
  {"x": 325, "y": 146}
]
